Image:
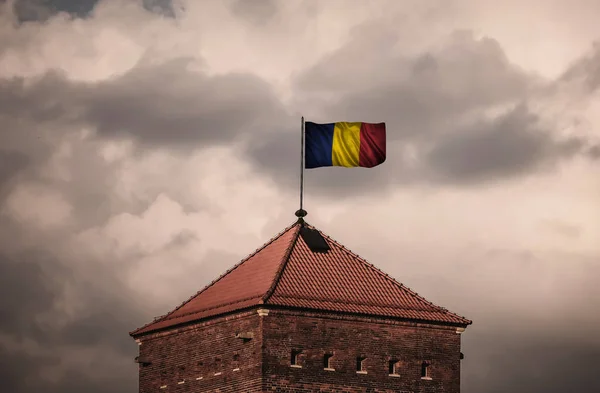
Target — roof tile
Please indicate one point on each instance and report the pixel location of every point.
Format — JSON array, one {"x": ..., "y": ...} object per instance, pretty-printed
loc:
[{"x": 285, "y": 272}]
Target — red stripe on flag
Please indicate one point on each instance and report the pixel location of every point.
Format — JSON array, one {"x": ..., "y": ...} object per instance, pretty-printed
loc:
[{"x": 372, "y": 145}]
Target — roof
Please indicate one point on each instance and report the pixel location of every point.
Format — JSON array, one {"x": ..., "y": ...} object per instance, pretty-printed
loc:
[{"x": 286, "y": 272}]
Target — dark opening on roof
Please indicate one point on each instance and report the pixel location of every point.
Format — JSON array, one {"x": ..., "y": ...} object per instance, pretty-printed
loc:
[{"x": 314, "y": 240}]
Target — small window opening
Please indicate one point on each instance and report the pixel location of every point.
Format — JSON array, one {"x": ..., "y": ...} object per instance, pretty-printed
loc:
[
  {"x": 360, "y": 364},
  {"x": 393, "y": 367},
  {"x": 295, "y": 358},
  {"x": 236, "y": 362},
  {"x": 425, "y": 373},
  {"x": 327, "y": 361}
]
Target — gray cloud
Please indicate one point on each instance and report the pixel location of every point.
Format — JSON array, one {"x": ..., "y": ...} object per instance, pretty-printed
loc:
[
  {"x": 42, "y": 10},
  {"x": 161, "y": 7},
  {"x": 585, "y": 69},
  {"x": 525, "y": 362},
  {"x": 418, "y": 94},
  {"x": 258, "y": 12},
  {"x": 506, "y": 146},
  {"x": 170, "y": 104},
  {"x": 433, "y": 103},
  {"x": 20, "y": 301},
  {"x": 164, "y": 104},
  {"x": 11, "y": 162},
  {"x": 32, "y": 286},
  {"x": 594, "y": 152}
]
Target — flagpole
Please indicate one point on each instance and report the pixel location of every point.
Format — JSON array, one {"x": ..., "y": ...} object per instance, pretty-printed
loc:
[{"x": 301, "y": 213}]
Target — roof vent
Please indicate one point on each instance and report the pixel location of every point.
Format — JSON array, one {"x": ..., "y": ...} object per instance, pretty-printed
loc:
[{"x": 314, "y": 240}]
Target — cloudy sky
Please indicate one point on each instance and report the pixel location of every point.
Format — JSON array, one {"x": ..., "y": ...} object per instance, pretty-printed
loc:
[{"x": 147, "y": 146}]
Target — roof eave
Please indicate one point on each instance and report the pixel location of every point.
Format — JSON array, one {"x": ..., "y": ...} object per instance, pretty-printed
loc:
[
  {"x": 462, "y": 324},
  {"x": 140, "y": 332}
]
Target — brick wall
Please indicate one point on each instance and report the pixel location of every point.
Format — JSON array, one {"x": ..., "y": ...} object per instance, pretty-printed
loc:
[
  {"x": 208, "y": 348},
  {"x": 201, "y": 351},
  {"x": 348, "y": 338}
]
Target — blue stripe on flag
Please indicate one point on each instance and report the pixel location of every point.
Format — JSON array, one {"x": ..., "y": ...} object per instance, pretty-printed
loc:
[{"x": 318, "y": 144}]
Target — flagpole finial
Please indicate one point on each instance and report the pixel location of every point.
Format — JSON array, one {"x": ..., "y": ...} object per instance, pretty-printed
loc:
[{"x": 301, "y": 213}]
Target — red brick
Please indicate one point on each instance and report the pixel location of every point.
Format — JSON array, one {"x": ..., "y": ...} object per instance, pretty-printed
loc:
[{"x": 206, "y": 348}]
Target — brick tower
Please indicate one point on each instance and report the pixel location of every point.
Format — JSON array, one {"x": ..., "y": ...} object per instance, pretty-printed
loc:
[{"x": 302, "y": 314}]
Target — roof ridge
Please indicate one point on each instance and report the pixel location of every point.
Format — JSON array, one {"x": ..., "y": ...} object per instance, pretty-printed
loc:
[
  {"x": 164, "y": 317},
  {"x": 283, "y": 264},
  {"x": 388, "y": 277}
]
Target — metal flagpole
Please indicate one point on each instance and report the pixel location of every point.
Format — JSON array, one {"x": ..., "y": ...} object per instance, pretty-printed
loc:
[{"x": 301, "y": 213}]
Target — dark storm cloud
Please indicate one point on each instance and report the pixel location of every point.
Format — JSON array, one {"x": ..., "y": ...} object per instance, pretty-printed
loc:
[
  {"x": 171, "y": 104},
  {"x": 19, "y": 302},
  {"x": 11, "y": 162},
  {"x": 47, "y": 98},
  {"x": 20, "y": 371},
  {"x": 420, "y": 94},
  {"x": 42, "y": 10},
  {"x": 524, "y": 361},
  {"x": 162, "y": 105},
  {"x": 32, "y": 284},
  {"x": 508, "y": 145}
]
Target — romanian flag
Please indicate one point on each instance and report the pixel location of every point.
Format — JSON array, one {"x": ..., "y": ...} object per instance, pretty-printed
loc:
[{"x": 344, "y": 144}]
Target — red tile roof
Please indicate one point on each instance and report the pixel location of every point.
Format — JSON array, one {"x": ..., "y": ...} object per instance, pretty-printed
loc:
[{"x": 285, "y": 272}]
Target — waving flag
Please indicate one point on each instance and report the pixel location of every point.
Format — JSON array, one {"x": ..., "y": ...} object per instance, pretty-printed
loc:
[{"x": 344, "y": 144}]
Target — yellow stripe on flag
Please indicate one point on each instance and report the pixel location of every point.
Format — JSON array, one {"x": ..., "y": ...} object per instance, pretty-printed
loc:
[{"x": 346, "y": 144}]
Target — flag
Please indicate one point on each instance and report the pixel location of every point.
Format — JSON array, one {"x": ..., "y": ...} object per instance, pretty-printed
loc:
[{"x": 344, "y": 144}]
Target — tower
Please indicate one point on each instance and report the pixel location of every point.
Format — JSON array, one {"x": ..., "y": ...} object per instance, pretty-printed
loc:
[{"x": 302, "y": 314}]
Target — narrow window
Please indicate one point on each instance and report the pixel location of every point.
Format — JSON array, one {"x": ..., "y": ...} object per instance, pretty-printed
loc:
[
  {"x": 360, "y": 364},
  {"x": 295, "y": 359},
  {"x": 393, "y": 367},
  {"x": 236, "y": 362},
  {"x": 327, "y": 361},
  {"x": 425, "y": 370}
]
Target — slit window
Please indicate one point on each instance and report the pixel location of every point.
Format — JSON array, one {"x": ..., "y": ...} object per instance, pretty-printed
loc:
[
  {"x": 327, "y": 361},
  {"x": 393, "y": 367},
  {"x": 425, "y": 374},
  {"x": 360, "y": 364},
  {"x": 295, "y": 358}
]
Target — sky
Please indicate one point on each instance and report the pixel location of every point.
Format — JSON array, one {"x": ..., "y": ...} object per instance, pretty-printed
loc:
[{"x": 148, "y": 146}]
